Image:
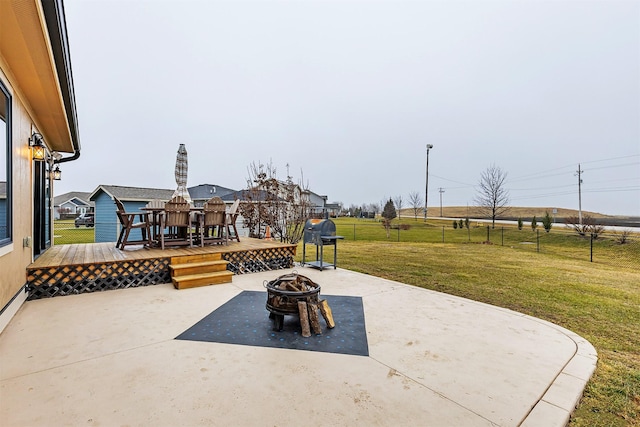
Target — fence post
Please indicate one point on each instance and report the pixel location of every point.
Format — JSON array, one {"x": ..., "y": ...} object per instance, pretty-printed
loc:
[
  {"x": 591, "y": 249},
  {"x": 443, "y": 234},
  {"x": 354, "y": 232},
  {"x": 488, "y": 240},
  {"x": 502, "y": 232},
  {"x": 537, "y": 240},
  {"x": 398, "y": 232}
]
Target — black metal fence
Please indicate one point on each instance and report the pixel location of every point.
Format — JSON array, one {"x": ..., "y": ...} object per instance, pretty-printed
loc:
[
  {"x": 618, "y": 248},
  {"x": 65, "y": 233}
]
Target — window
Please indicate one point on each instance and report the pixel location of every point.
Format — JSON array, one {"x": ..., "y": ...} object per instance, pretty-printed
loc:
[{"x": 5, "y": 166}]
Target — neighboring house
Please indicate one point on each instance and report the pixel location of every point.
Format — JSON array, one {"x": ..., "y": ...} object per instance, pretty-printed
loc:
[
  {"x": 317, "y": 203},
  {"x": 107, "y": 226},
  {"x": 37, "y": 106},
  {"x": 70, "y": 205},
  {"x": 203, "y": 192}
]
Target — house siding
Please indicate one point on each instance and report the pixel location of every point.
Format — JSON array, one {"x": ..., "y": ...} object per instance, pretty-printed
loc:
[
  {"x": 32, "y": 56},
  {"x": 107, "y": 225},
  {"x": 16, "y": 256}
]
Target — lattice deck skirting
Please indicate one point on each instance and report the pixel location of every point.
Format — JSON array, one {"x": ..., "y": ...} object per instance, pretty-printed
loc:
[{"x": 72, "y": 279}]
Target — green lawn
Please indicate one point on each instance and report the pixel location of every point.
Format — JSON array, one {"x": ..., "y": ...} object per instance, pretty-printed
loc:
[
  {"x": 65, "y": 232},
  {"x": 598, "y": 300}
]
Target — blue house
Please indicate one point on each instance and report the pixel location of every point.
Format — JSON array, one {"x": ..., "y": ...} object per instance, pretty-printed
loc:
[
  {"x": 107, "y": 226},
  {"x": 70, "y": 205}
]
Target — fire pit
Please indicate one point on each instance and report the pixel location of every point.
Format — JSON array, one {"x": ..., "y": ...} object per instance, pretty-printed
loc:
[{"x": 295, "y": 294}]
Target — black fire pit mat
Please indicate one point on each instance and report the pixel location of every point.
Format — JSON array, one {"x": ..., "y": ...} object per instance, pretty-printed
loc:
[{"x": 244, "y": 320}]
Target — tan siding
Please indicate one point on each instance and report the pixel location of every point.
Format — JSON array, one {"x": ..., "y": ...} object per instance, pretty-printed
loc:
[{"x": 14, "y": 263}]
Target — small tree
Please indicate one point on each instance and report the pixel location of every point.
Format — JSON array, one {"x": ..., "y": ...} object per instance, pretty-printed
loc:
[
  {"x": 460, "y": 223},
  {"x": 493, "y": 196},
  {"x": 415, "y": 201},
  {"x": 281, "y": 205},
  {"x": 520, "y": 223},
  {"x": 466, "y": 223},
  {"x": 534, "y": 223},
  {"x": 547, "y": 221},
  {"x": 388, "y": 214},
  {"x": 455, "y": 224},
  {"x": 398, "y": 202}
]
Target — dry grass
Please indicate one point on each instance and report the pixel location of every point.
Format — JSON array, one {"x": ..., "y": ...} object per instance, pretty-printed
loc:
[
  {"x": 513, "y": 212},
  {"x": 598, "y": 301}
]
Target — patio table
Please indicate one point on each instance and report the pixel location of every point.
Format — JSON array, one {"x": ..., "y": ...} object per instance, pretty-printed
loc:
[{"x": 155, "y": 214}]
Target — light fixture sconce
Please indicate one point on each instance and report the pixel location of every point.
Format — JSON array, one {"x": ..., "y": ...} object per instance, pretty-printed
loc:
[
  {"x": 37, "y": 147},
  {"x": 57, "y": 173}
]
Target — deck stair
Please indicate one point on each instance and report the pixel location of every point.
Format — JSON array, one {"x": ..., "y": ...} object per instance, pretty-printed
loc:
[{"x": 191, "y": 271}]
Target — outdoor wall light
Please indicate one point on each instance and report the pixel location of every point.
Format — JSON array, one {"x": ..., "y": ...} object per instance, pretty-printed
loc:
[
  {"x": 37, "y": 147},
  {"x": 57, "y": 173}
]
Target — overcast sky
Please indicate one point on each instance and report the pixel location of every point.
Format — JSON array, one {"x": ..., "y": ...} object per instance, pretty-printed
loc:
[{"x": 349, "y": 93}]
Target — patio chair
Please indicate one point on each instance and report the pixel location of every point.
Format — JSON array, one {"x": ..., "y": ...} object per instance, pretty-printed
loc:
[
  {"x": 212, "y": 222},
  {"x": 175, "y": 223},
  {"x": 154, "y": 207},
  {"x": 231, "y": 218},
  {"x": 128, "y": 223}
]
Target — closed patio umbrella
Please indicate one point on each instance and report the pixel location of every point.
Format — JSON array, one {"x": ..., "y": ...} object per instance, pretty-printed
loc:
[{"x": 182, "y": 167}]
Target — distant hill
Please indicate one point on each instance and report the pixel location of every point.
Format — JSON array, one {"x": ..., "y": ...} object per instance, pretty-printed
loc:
[{"x": 526, "y": 213}]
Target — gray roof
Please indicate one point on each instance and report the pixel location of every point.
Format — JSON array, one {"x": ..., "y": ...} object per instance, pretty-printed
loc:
[
  {"x": 69, "y": 197},
  {"x": 133, "y": 194},
  {"x": 207, "y": 191}
]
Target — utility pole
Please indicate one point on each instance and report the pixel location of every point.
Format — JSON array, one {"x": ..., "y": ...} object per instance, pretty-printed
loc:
[
  {"x": 426, "y": 189},
  {"x": 580, "y": 172},
  {"x": 441, "y": 190}
]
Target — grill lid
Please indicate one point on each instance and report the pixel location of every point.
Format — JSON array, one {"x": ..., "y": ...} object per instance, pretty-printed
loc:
[{"x": 315, "y": 229}]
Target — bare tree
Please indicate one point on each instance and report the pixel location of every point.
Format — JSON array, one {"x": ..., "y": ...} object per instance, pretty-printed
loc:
[
  {"x": 281, "y": 205},
  {"x": 398, "y": 202},
  {"x": 493, "y": 196},
  {"x": 416, "y": 203}
]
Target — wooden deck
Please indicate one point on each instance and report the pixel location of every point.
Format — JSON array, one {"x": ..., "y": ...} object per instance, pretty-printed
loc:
[{"x": 79, "y": 268}]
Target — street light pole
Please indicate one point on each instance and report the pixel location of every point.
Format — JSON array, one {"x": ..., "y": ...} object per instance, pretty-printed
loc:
[
  {"x": 426, "y": 190},
  {"x": 441, "y": 191}
]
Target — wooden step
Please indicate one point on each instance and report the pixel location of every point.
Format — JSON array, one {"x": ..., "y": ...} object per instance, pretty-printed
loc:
[
  {"x": 204, "y": 279},
  {"x": 187, "y": 259},
  {"x": 198, "y": 267}
]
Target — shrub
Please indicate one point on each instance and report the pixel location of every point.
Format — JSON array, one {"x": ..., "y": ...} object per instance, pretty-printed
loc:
[
  {"x": 520, "y": 223},
  {"x": 547, "y": 221},
  {"x": 534, "y": 223},
  {"x": 455, "y": 224}
]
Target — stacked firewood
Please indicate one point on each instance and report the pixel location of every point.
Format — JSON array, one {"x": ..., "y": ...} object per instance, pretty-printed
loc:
[
  {"x": 308, "y": 312},
  {"x": 297, "y": 284},
  {"x": 308, "y": 308}
]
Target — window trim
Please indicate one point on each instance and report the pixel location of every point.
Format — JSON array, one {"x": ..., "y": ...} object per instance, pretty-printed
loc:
[{"x": 8, "y": 239}]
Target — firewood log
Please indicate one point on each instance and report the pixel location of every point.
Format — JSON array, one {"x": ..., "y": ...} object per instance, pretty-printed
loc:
[
  {"x": 327, "y": 314},
  {"x": 313, "y": 318},
  {"x": 304, "y": 319}
]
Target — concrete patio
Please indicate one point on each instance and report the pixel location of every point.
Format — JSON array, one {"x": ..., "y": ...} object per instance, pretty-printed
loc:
[{"x": 112, "y": 358}]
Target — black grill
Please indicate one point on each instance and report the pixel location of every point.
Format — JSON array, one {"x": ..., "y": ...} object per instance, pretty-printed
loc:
[
  {"x": 320, "y": 232},
  {"x": 316, "y": 229}
]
